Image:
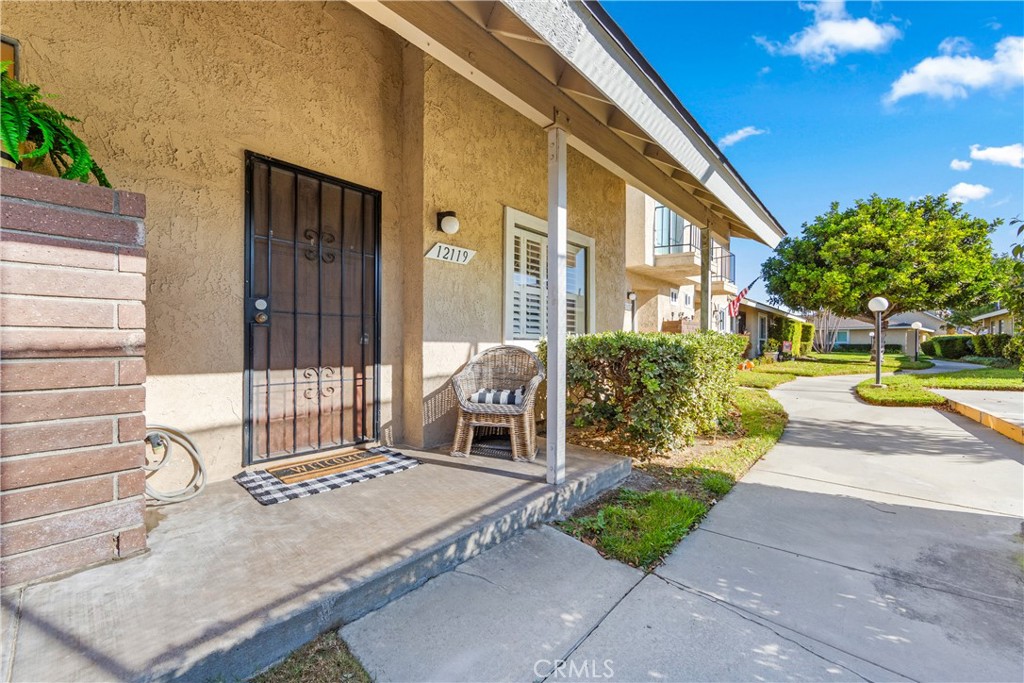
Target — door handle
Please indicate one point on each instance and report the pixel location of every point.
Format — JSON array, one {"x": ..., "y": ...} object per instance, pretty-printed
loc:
[{"x": 261, "y": 315}]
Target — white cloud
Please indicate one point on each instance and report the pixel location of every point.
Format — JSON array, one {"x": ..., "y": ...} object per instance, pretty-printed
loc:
[
  {"x": 965, "y": 192},
  {"x": 994, "y": 25},
  {"x": 1010, "y": 155},
  {"x": 740, "y": 135},
  {"x": 953, "y": 76},
  {"x": 956, "y": 45},
  {"x": 833, "y": 33},
  {"x": 960, "y": 165},
  {"x": 765, "y": 70}
]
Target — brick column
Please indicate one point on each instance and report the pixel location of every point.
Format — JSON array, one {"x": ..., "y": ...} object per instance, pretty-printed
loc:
[{"x": 72, "y": 339}]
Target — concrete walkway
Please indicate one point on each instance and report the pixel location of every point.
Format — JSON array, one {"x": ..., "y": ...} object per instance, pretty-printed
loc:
[
  {"x": 871, "y": 543},
  {"x": 940, "y": 366}
]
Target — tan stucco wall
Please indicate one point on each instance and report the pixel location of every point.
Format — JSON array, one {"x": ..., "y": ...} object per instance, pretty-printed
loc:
[
  {"x": 480, "y": 156},
  {"x": 901, "y": 337},
  {"x": 991, "y": 325},
  {"x": 170, "y": 96}
]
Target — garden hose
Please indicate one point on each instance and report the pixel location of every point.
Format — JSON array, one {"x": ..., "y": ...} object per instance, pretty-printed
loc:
[{"x": 164, "y": 438}]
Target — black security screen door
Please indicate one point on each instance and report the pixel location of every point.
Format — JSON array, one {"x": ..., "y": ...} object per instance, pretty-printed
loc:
[{"x": 311, "y": 311}]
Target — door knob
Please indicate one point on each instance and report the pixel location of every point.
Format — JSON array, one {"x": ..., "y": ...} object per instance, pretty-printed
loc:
[{"x": 261, "y": 317}]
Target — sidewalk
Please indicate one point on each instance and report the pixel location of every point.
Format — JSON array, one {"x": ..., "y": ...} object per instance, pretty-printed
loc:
[{"x": 871, "y": 543}]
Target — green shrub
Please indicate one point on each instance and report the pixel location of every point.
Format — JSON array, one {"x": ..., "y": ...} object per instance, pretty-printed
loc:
[
  {"x": 791, "y": 331},
  {"x": 983, "y": 345},
  {"x": 806, "y": 347},
  {"x": 997, "y": 343},
  {"x": 928, "y": 347},
  {"x": 953, "y": 345},
  {"x": 654, "y": 391},
  {"x": 807, "y": 337},
  {"x": 1014, "y": 349}
]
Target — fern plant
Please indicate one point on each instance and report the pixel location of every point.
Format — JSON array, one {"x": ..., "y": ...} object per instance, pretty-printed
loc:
[{"x": 26, "y": 117}]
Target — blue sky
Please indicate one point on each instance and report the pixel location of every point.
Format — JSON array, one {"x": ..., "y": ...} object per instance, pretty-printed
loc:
[{"x": 848, "y": 100}]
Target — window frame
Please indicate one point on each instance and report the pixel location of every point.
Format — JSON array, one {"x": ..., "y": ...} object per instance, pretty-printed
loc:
[
  {"x": 846, "y": 337},
  {"x": 515, "y": 218}
]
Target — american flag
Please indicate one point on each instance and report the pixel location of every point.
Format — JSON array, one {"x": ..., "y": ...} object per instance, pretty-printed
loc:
[{"x": 734, "y": 305}]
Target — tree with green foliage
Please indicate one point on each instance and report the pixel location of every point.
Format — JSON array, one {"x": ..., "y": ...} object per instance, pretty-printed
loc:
[{"x": 924, "y": 254}]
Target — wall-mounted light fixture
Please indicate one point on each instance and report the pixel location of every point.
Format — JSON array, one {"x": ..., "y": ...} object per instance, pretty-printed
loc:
[{"x": 447, "y": 222}]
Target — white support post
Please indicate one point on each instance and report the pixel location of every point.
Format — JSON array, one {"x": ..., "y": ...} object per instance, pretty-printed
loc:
[
  {"x": 558, "y": 233},
  {"x": 705, "y": 279}
]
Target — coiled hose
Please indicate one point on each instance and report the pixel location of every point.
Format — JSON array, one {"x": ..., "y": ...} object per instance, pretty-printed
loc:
[{"x": 164, "y": 438}]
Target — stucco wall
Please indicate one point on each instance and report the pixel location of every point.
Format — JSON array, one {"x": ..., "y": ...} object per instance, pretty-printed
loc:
[
  {"x": 480, "y": 156},
  {"x": 170, "y": 96}
]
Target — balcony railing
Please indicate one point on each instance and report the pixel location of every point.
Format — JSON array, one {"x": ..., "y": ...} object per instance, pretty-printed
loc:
[
  {"x": 673, "y": 234},
  {"x": 723, "y": 264}
]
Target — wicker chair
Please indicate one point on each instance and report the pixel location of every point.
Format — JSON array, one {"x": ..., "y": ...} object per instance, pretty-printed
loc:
[{"x": 501, "y": 368}]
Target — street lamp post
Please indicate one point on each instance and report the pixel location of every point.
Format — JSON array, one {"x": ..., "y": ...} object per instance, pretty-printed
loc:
[
  {"x": 877, "y": 305},
  {"x": 917, "y": 338}
]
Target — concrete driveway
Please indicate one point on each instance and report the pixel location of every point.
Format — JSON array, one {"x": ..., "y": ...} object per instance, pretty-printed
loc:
[{"x": 871, "y": 543}]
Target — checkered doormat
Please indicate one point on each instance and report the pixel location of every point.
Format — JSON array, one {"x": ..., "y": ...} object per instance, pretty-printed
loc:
[{"x": 268, "y": 489}]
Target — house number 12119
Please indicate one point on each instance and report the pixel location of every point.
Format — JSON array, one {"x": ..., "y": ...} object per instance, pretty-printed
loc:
[{"x": 446, "y": 252}]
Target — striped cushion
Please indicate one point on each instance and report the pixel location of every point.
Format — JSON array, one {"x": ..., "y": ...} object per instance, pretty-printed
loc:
[{"x": 508, "y": 397}]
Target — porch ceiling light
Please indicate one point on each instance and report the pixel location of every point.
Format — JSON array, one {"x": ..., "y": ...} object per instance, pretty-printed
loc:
[{"x": 447, "y": 222}]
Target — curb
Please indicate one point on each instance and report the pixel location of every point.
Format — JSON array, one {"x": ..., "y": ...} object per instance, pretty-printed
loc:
[{"x": 1004, "y": 427}]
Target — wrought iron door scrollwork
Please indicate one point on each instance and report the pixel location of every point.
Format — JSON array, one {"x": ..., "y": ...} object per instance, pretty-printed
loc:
[
  {"x": 321, "y": 375},
  {"x": 313, "y": 236}
]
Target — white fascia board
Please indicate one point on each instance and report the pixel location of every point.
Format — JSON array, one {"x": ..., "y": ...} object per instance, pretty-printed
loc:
[{"x": 571, "y": 31}]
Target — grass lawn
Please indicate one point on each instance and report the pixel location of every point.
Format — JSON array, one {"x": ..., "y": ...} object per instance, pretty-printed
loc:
[
  {"x": 771, "y": 375},
  {"x": 663, "y": 500},
  {"x": 325, "y": 660},
  {"x": 912, "y": 390},
  {"x": 762, "y": 380}
]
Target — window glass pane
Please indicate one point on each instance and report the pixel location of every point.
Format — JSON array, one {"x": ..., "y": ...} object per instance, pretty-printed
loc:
[
  {"x": 527, "y": 291},
  {"x": 576, "y": 290}
]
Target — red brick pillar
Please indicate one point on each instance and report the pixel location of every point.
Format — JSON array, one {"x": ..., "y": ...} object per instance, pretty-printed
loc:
[{"x": 72, "y": 339}]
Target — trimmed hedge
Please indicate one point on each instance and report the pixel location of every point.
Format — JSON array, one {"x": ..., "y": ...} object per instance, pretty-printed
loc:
[
  {"x": 654, "y": 391},
  {"x": 867, "y": 348},
  {"x": 928, "y": 348},
  {"x": 953, "y": 345},
  {"x": 806, "y": 339},
  {"x": 1014, "y": 350},
  {"x": 991, "y": 345}
]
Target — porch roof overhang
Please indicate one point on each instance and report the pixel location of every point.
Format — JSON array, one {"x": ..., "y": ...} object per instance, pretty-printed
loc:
[{"x": 568, "y": 63}]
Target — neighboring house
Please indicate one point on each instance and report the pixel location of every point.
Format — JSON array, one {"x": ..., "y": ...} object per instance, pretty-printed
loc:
[
  {"x": 301, "y": 305},
  {"x": 663, "y": 265},
  {"x": 999, "y": 321},
  {"x": 755, "y": 319},
  {"x": 900, "y": 331}
]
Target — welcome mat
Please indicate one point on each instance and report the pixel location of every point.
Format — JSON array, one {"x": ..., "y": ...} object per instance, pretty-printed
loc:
[
  {"x": 295, "y": 472},
  {"x": 268, "y": 489}
]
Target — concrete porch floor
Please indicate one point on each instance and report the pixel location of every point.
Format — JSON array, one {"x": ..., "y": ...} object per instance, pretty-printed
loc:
[{"x": 230, "y": 586}]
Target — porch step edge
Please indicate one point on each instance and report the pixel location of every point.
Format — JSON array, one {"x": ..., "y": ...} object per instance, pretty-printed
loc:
[{"x": 277, "y": 638}]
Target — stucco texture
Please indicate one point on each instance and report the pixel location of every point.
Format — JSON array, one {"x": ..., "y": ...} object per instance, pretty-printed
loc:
[
  {"x": 480, "y": 156},
  {"x": 170, "y": 96}
]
